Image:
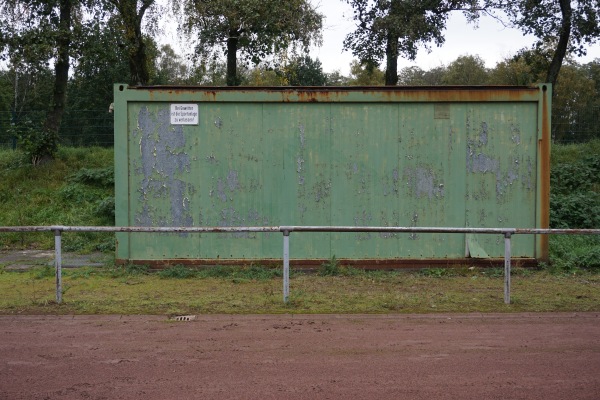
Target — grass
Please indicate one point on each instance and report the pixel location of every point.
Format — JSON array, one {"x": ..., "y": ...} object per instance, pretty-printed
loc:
[
  {"x": 76, "y": 189},
  {"x": 572, "y": 153},
  {"x": 258, "y": 290},
  {"x": 61, "y": 192}
]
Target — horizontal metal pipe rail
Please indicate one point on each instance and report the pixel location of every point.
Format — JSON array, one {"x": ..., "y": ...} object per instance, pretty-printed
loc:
[
  {"x": 286, "y": 230},
  {"x": 294, "y": 228}
]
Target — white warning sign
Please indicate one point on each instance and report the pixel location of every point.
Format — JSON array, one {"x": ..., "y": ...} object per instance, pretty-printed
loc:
[{"x": 184, "y": 114}]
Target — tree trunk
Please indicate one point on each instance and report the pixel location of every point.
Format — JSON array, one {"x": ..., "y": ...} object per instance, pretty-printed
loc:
[
  {"x": 61, "y": 69},
  {"x": 232, "y": 43},
  {"x": 391, "y": 54},
  {"x": 136, "y": 48},
  {"x": 563, "y": 42},
  {"x": 138, "y": 59}
]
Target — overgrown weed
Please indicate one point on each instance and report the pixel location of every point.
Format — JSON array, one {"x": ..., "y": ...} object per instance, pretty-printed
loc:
[
  {"x": 42, "y": 272},
  {"x": 330, "y": 268},
  {"x": 119, "y": 271},
  {"x": 177, "y": 272},
  {"x": 569, "y": 253}
]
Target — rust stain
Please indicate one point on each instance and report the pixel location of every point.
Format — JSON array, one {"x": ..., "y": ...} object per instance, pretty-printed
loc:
[
  {"x": 211, "y": 95},
  {"x": 378, "y": 93},
  {"x": 313, "y": 97}
]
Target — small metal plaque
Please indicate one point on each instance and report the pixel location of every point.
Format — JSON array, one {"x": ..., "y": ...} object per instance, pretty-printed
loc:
[
  {"x": 184, "y": 114},
  {"x": 441, "y": 111}
]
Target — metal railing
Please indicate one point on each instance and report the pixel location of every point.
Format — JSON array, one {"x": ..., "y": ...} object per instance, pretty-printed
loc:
[{"x": 507, "y": 233}]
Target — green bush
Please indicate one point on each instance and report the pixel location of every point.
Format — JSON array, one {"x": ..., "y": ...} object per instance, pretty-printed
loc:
[
  {"x": 38, "y": 144},
  {"x": 105, "y": 209},
  {"x": 577, "y": 210},
  {"x": 571, "y": 252},
  {"x": 575, "y": 197},
  {"x": 76, "y": 192},
  {"x": 101, "y": 177}
]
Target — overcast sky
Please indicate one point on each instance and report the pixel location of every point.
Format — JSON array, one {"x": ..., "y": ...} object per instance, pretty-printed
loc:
[{"x": 491, "y": 41}]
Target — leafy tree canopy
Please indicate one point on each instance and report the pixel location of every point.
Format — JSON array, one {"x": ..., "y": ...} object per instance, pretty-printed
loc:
[
  {"x": 365, "y": 74},
  {"x": 304, "y": 71},
  {"x": 466, "y": 70},
  {"x": 100, "y": 62},
  {"x": 254, "y": 28},
  {"x": 171, "y": 69},
  {"x": 570, "y": 25},
  {"x": 388, "y": 29}
]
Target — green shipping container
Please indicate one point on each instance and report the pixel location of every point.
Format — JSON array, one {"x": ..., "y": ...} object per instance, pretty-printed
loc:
[{"x": 349, "y": 156}]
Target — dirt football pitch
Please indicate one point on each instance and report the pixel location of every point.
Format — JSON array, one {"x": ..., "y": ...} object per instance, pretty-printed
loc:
[{"x": 474, "y": 356}]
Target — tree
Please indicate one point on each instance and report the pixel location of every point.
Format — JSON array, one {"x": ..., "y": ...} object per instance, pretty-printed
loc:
[
  {"x": 25, "y": 89},
  {"x": 466, "y": 70},
  {"x": 570, "y": 25},
  {"x": 211, "y": 72},
  {"x": 261, "y": 76},
  {"x": 365, "y": 74},
  {"x": 572, "y": 104},
  {"x": 61, "y": 66},
  {"x": 304, "y": 71},
  {"x": 336, "y": 78},
  {"x": 171, "y": 70},
  {"x": 512, "y": 72},
  {"x": 415, "y": 76},
  {"x": 388, "y": 29},
  {"x": 592, "y": 71},
  {"x": 99, "y": 64},
  {"x": 252, "y": 28},
  {"x": 40, "y": 30},
  {"x": 131, "y": 13}
]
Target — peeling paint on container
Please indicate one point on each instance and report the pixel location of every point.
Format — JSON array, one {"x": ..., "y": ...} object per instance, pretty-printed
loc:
[{"x": 443, "y": 156}]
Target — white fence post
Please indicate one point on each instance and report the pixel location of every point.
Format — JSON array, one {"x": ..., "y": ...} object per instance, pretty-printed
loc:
[
  {"x": 58, "y": 264},
  {"x": 286, "y": 266},
  {"x": 507, "y": 268}
]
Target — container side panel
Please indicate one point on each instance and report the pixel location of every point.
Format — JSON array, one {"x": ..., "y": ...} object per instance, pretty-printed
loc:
[
  {"x": 299, "y": 173},
  {"x": 366, "y": 177},
  {"x": 501, "y": 173},
  {"x": 122, "y": 187},
  {"x": 232, "y": 175},
  {"x": 394, "y": 159},
  {"x": 161, "y": 183},
  {"x": 432, "y": 185}
]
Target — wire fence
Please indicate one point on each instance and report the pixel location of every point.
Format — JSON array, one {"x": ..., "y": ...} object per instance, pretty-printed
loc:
[
  {"x": 85, "y": 128},
  {"x": 579, "y": 128},
  {"x": 79, "y": 128}
]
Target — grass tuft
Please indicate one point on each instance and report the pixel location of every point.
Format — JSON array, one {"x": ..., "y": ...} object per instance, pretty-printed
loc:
[
  {"x": 330, "y": 268},
  {"x": 177, "y": 272}
]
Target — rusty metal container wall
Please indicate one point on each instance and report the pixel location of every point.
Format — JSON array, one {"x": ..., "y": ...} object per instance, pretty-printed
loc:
[{"x": 448, "y": 157}]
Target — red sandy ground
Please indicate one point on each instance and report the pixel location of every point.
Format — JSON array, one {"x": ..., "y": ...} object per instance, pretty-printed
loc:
[{"x": 511, "y": 356}]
